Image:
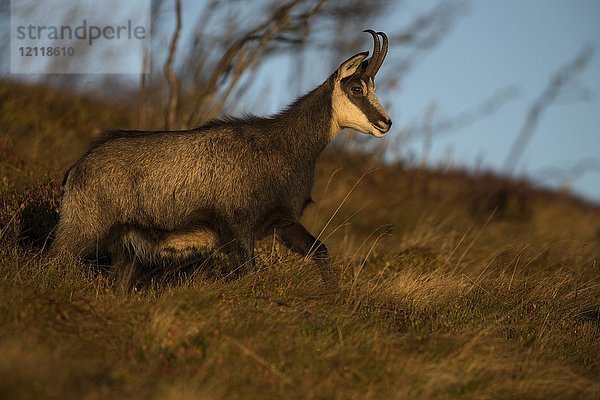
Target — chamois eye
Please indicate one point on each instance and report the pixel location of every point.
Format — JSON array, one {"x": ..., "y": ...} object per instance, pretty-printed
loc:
[{"x": 356, "y": 90}]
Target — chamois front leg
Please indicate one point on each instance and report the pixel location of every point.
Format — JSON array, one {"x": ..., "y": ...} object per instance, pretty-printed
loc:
[
  {"x": 296, "y": 238},
  {"x": 240, "y": 251}
]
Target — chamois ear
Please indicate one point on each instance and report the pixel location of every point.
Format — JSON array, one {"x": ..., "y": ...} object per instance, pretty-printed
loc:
[{"x": 351, "y": 65}]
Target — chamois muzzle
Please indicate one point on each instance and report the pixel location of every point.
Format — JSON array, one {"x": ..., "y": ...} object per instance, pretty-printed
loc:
[
  {"x": 383, "y": 125},
  {"x": 379, "y": 53}
]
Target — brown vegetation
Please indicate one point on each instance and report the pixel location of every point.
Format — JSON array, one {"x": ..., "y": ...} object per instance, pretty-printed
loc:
[{"x": 455, "y": 285}]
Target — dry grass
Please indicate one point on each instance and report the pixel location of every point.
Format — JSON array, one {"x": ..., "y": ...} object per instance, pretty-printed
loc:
[{"x": 453, "y": 286}]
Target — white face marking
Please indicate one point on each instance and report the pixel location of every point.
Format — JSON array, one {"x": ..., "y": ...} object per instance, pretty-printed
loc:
[{"x": 347, "y": 115}]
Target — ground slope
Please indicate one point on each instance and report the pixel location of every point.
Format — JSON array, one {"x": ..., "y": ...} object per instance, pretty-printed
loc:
[{"x": 454, "y": 285}]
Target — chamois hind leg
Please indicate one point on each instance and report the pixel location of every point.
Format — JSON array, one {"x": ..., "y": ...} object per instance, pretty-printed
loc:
[
  {"x": 82, "y": 227},
  {"x": 296, "y": 238},
  {"x": 77, "y": 239},
  {"x": 126, "y": 268}
]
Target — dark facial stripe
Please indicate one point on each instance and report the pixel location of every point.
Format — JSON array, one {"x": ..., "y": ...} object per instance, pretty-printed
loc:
[{"x": 373, "y": 112}]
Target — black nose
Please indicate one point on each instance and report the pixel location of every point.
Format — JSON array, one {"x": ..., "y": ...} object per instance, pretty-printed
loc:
[{"x": 383, "y": 124}]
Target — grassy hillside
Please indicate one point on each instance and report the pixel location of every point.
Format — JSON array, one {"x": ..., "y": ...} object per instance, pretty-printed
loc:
[{"x": 454, "y": 285}]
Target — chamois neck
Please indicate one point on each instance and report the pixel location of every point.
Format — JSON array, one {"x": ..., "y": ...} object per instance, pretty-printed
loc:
[{"x": 307, "y": 123}]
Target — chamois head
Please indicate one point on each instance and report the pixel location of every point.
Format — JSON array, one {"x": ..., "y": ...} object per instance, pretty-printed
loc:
[{"x": 354, "y": 102}]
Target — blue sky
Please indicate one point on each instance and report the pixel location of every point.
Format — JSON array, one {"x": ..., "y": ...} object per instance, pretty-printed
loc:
[{"x": 502, "y": 43}]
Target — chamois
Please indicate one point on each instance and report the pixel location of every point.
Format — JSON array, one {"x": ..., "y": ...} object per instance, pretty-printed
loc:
[{"x": 141, "y": 195}]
